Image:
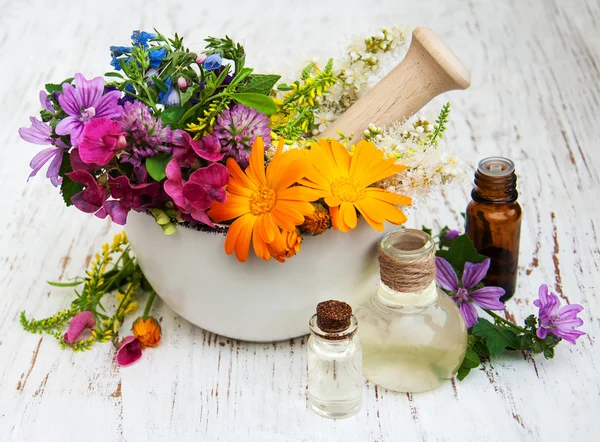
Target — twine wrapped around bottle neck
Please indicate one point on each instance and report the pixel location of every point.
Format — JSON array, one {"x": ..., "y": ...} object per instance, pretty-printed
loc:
[{"x": 407, "y": 275}]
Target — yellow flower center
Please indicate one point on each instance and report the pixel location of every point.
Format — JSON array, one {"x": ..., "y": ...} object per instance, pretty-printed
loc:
[
  {"x": 262, "y": 201},
  {"x": 347, "y": 189}
]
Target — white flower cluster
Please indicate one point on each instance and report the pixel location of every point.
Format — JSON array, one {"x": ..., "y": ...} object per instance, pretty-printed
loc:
[
  {"x": 428, "y": 166},
  {"x": 366, "y": 61}
]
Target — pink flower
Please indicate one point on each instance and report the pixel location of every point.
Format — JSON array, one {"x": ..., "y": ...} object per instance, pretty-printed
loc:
[
  {"x": 91, "y": 199},
  {"x": 129, "y": 351},
  {"x": 187, "y": 150},
  {"x": 78, "y": 324},
  {"x": 196, "y": 195},
  {"x": 100, "y": 139},
  {"x": 557, "y": 320},
  {"x": 127, "y": 197}
]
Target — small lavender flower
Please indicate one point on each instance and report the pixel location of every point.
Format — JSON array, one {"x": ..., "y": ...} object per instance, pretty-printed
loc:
[
  {"x": 145, "y": 134},
  {"x": 451, "y": 234},
  {"x": 485, "y": 297},
  {"x": 557, "y": 320},
  {"x": 237, "y": 129}
]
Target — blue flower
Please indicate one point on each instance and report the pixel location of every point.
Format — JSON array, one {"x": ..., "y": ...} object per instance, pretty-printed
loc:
[
  {"x": 213, "y": 62},
  {"x": 171, "y": 97},
  {"x": 126, "y": 98},
  {"x": 156, "y": 56},
  {"x": 141, "y": 38},
  {"x": 116, "y": 62},
  {"x": 117, "y": 51}
]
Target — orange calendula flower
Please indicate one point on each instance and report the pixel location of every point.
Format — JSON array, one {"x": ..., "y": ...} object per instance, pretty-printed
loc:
[
  {"x": 285, "y": 245},
  {"x": 147, "y": 331},
  {"x": 344, "y": 181},
  {"x": 263, "y": 203}
]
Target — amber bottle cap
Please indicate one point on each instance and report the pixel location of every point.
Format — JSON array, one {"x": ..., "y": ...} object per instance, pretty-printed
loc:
[
  {"x": 333, "y": 316},
  {"x": 496, "y": 166}
]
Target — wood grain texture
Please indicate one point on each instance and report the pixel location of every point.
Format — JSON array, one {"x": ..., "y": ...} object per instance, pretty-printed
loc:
[{"x": 535, "y": 98}]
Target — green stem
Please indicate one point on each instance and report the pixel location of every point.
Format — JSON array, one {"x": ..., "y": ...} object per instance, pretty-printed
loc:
[
  {"x": 505, "y": 321},
  {"x": 149, "y": 303}
]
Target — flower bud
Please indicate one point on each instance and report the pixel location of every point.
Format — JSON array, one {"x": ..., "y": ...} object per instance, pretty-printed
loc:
[
  {"x": 181, "y": 83},
  {"x": 201, "y": 58},
  {"x": 121, "y": 142},
  {"x": 147, "y": 331}
]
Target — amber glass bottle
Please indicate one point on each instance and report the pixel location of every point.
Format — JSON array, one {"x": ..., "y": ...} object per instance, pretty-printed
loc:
[{"x": 493, "y": 221}]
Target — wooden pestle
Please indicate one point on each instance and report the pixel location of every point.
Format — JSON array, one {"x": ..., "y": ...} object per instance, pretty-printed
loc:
[{"x": 428, "y": 69}]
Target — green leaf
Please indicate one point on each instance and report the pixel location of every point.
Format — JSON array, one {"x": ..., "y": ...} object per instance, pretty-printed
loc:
[
  {"x": 160, "y": 84},
  {"x": 52, "y": 87},
  {"x": 471, "y": 360},
  {"x": 284, "y": 87},
  {"x": 261, "y": 84},
  {"x": 549, "y": 353},
  {"x": 462, "y": 250},
  {"x": 64, "y": 284},
  {"x": 114, "y": 74},
  {"x": 184, "y": 97},
  {"x": 241, "y": 76},
  {"x": 157, "y": 164},
  {"x": 172, "y": 115},
  {"x": 427, "y": 230},
  {"x": 69, "y": 188},
  {"x": 463, "y": 373},
  {"x": 496, "y": 338},
  {"x": 260, "y": 102}
]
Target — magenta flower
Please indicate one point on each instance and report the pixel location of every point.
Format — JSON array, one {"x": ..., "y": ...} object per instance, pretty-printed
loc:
[
  {"x": 127, "y": 197},
  {"x": 129, "y": 351},
  {"x": 100, "y": 140},
  {"x": 41, "y": 133},
  {"x": 451, "y": 234},
  {"x": 46, "y": 102},
  {"x": 486, "y": 297},
  {"x": 186, "y": 149},
  {"x": 237, "y": 129},
  {"x": 79, "y": 323},
  {"x": 78, "y": 164},
  {"x": 557, "y": 320},
  {"x": 196, "y": 195},
  {"x": 91, "y": 199},
  {"x": 83, "y": 103}
]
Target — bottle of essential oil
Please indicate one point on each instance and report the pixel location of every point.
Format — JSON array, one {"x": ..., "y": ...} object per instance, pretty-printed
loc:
[
  {"x": 335, "y": 379},
  {"x": 493, "y": 221},
  {"x": 412, "y": 334}
]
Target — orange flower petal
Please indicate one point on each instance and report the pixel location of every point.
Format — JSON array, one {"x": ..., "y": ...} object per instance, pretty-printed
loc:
[
  {"x": 242, "y": 243},
  {"x": 341, "y": 156},
  {"x": 348, "y": 214},
  {"x": 377, "y": 226},
  {"x": 238, "y": 175},
  {"x": 256, "y": 168},
  {"x": 299, "y": 193},
  {"x": 388, "y": 197}
]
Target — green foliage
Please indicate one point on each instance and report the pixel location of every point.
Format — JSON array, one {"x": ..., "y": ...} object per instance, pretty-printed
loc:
[
  {"x": 157, "y": 164},
  {"x": 51, "y": 87},
  {"x": 261, "y": 103},
  {"x": 172, "y": 114},
  {"x": 68, "y": 187},
  {"x": 65, "y": 284},
  {"x": 440, "y": 126},
  {"x": 461, "y": 250},
  {"x": 261, "y": 84},
  {"x": 496, "y": 338}
]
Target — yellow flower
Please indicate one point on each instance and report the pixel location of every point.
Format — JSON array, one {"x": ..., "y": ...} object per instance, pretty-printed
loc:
[
  {"x": 344, "y": 181},
  {"x": 263, "y": 203},
  {"x": 147, "y": 331}
]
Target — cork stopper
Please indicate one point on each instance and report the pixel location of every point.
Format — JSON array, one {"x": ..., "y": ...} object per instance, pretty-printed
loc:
[{"x": 333, "y": 316}]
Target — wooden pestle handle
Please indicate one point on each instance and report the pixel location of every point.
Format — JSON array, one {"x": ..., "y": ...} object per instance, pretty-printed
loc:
[{"x": 428, "y": 69}]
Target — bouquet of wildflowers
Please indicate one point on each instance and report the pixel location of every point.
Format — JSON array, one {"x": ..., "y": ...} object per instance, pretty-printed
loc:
[{"x": 204, "y": 140}]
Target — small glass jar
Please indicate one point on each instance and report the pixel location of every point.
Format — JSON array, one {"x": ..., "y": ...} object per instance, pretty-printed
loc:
[
  {"x": 412, "y": 341},
  {"x": 335, "y": 379}
]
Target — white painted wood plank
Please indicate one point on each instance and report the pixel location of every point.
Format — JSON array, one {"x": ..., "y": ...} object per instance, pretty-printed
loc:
[{"x": 535, "y": 97}]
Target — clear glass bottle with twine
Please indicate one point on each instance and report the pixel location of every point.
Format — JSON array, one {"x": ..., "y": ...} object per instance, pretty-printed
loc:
[
  {"x": 335, "y": 379},
  {"x": 412, "y": 334}
]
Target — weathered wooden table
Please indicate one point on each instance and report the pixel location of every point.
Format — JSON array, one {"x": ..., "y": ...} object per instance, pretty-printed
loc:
[{"x": 535, "y": 98}]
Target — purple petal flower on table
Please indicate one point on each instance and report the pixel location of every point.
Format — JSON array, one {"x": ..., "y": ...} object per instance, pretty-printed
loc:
[
  {"x": 41, "y": 133},
  {"x": 557, "y": 320},
  {"x": 101, "y": 139},
  {"x": 46, "y": 102},
  {"x": 451, "y": 234},
  {"x": 213, "y": 62},
  {"x": 129, "y": 351},
  {"x": 92, "y": 198},
  {"x": 84, "y": 103},
  {"x": 127, "y": 197},
  {"x": 486, "y": 297},
  {"x": 145, "y": 134},
  {"x": 80, "y": 322},
  {"x": 237, "y": 129},
  {"x": 195, "y": 196}
]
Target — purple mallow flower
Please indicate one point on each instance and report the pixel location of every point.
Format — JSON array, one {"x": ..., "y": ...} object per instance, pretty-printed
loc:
[
  {"x": 40, "y": 133},
  {"x": 145, "y": 134},
  {"x": 83, "y": 103},
  {"x": 485, "y": 297},
  {"x": 557, "y": 320},
  {"x": 451, "y": 234},
  {"x": 237, "y": 129},
  {"x": 46, "y": 102}
]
